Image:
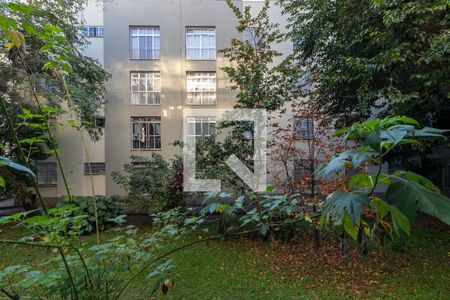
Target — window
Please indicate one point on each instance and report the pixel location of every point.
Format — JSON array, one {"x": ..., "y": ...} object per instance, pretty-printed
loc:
[
  {"x": 146, "y": 133},
  {"x": 201, "y": 88},
  {"x": 251, "y": 37},
  {"x": 304, "y": 128},
  {"x": 302, "y": 168},
  {"x": 97, "y": 168},
  {"x": 93, "y": 31},
  {"x": 201, "y": 127},
  {"x": 145, "y": 88},
  {"x": 201, "y": 43},
  {"x": 144, "y": 43},
  {"x": 46, "y": 173}
]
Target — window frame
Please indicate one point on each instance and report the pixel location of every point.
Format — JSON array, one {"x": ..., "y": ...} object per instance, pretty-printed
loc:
[
  {"x": 153, "y": 36},
  {"x": 97, "y": 168},
  {"x": 146, "y": 121},
  {"x": 49, "y": 179},
  {"x": 302, "y": 132},
  {"x": 202, "y": 120},
  {"x": 98, "y": 29},
  {"x": 154, "y": 92},
  {"x": 190, "y": 80},
  {"x": 202, "y": 39}
]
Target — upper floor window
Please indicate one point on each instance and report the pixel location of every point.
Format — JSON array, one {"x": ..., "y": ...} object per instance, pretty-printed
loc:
[
  {"x": 144, "y": 42},
  {"x": 146, "y": 133},
  {"x": 304, "y": 128},
  {"x": 145, "y": 88},
  {"x": 93, "y": 31},
  {"x": 201, "y": 43},
  {"x": 201, "y": 87},
  {"x": 201, "y": 126},
  {"x": 46, "y": 173}
]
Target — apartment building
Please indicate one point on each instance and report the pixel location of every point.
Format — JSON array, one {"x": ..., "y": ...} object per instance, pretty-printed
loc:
[{"x": 163, "y": 57}]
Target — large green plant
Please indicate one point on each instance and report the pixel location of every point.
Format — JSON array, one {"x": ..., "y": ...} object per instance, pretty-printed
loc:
[
  {"x": 406, "y": 192},
  {"x": 107, "y": 211}
]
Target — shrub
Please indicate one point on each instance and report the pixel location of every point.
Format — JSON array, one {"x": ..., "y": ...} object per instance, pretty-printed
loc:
[
  {"x": 107, "y": 211},
  {"x": 151, "y": 183}
]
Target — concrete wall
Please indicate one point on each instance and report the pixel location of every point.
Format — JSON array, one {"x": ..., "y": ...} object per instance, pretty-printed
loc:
[{"x": 172, "y": 17}]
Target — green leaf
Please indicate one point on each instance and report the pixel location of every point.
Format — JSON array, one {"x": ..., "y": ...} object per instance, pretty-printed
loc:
[
  {"x": 2, "y": 182},
  {"x": 395, "y": 134},
  {"x": 349, "y": 226},
  {"x": 425, "y": 182},
  {"x": 367, "y": 181},
  {"x": 338, "y": 162},
  {"x": 430, "y": 132},
  {"x": 339, "y": 202},
  {"x": 407, "y": 195},
  {"x": 399, "y": 220},
  {"x": 374, "y": 141},
  {"x": 4, "y": 161},
  {"x": 263, "y": 229},
  {"x": 381, "y": 207}
]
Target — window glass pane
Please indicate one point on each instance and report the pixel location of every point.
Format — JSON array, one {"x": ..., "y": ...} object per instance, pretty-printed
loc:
[
  {"x": 145, "y": 42},
  {"x": 200, "y": 43},
  {"x": 146, "y": 133}
]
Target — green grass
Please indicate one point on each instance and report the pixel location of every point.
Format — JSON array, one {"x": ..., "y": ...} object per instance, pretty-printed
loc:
[{"x": 416, "y": 268}]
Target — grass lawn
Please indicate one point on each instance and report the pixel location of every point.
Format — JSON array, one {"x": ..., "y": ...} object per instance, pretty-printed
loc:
[{"x": 416, "y": 268}]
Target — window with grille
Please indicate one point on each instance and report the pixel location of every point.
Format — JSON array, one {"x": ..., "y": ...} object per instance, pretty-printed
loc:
[
  {"x": 200, "y": 127},
  {"x": 46, "y": 173},
  {"x": 93, "y": 31},
  {"x": 144, "y": 42},
  {"x": 201, "y": 87},
  {"x": 304, "y": 128},
  {"x": 146, "y": 133},
  {"x": 97, "y": 168},
  {"x": 201, "y": 43},
  {"x": 145, "y": 88}
]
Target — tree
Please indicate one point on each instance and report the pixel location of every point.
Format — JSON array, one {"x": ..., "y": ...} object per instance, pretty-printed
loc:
[
  {"x": 259, "y": 84},
  {"x": 375, "y": 57},
  {"x": 360, "y": 212},
  {"x": 39, "y": 36}
]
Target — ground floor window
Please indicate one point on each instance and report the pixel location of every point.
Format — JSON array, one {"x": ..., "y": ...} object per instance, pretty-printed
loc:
[
  {"x": 97, "y": 168},
  {"x": 146, "y": 133},
  {"x": 46, "y": 173}
]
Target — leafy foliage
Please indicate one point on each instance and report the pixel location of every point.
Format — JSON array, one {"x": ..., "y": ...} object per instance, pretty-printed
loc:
[
  {"x": 95, "y": 272},
  {"x": 259, "y": 83},
  {"x": 151, "y": 183},
  {"x": 406, "y": 191},
  {"x": 391, "y": 56},
  {"x": 40, "y": 36},
  {"x": 61, "y": 224},
  {"x": 107, "y": 211}
]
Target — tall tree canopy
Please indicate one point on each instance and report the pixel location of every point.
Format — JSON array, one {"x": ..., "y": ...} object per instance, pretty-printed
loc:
[
  {"x": 42, "y": 41},
  {"x": 370, "y": 57},
  {"x": 39, "y": 23}
]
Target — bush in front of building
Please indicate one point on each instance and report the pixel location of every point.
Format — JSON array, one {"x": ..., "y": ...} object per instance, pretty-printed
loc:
[
  {"x": 152, "y": 184},
  {"x": 107, "y": 211}
]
